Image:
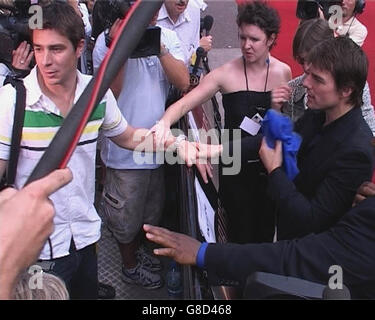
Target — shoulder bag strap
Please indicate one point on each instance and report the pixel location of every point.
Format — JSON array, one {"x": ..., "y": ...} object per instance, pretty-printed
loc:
[{"x": 19, "y": 116}]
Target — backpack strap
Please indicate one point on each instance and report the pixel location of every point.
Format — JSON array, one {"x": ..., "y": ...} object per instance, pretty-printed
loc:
[{"x": 19, "y": 117}]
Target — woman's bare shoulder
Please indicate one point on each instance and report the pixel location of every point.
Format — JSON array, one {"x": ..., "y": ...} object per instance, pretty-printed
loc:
[
  {"x": 281, "y": 69},
  {"x": 228, "y": 75},
  {"x": 232, "y": 65}
]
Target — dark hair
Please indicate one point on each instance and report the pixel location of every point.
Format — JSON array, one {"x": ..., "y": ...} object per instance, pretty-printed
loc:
[
  {"x": 309, "y": 33},
  {"x": 61, "y": 16},
  {"x": 347, "y": 63},
  {"x": 260, "y": 15}
]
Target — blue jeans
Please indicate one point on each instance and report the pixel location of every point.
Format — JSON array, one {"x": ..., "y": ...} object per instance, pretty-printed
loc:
[{"x": 79, "y": 270}]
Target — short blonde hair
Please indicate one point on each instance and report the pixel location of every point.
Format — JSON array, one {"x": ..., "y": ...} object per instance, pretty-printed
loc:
[{"x": 53, "y": 288}]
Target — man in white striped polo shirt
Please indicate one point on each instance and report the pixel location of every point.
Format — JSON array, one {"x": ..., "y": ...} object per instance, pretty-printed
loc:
[{"x": 52, "y": 88}]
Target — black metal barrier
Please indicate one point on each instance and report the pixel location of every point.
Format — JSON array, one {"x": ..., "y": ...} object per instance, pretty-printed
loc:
[
  {"x": 182, "y": 197},
  {"x": 195, "y": 281}
]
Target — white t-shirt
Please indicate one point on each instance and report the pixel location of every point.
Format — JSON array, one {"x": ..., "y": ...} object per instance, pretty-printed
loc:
[
  {"x": 357, "y": 31},
  {"x": 187, "y": 28},
  {"x": 4, "y": 71},
  {"x": 141, "y": 101}
]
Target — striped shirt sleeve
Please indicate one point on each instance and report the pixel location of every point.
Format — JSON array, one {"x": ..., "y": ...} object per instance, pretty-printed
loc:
[
  {"x": 7, "y": 105},
  {"x": 114, "y": 123}
]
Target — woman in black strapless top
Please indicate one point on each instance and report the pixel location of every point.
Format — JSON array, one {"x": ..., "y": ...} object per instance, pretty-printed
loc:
[
  {"x": 243, "y": 194},
  {"x": 246, "y": 84}
]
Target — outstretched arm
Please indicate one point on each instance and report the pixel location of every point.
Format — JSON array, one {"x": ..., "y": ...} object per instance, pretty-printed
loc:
[
  {"x": 191, "y": 152},
  {"x": 203, "y": 92},
  {"x": 178, "y": 246}
]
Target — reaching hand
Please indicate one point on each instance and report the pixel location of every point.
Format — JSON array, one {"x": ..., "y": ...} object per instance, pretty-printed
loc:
[
  {"x": 209, "y": 151},
  {"x": 271, "y": 158},
  {"x": 280, "y": 95},
  {"x": 161, "y": 131},
  {"x": 180, "y": 247},
  {"x": 199, "y": 154},
  {"x": 196, "y": 152},
  {"x": 188, "y": 152},
  {"x": 205, "y": 170}
]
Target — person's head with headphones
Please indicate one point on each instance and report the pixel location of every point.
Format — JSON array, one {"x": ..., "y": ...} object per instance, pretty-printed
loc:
[{"x": 351, "y": 8}]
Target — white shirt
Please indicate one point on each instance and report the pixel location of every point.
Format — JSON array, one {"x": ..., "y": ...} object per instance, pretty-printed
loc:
[
  {"x": 357, "y": 31},
  {"x": 187, "y": 28},
  {"x": 85, "y": 18},
  {"x": 4, "y": 71},
  {"x": 75, "y": 213},
  {"x": 141, "y": 101}
]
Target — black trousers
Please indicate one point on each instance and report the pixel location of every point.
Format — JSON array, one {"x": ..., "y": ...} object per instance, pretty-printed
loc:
[{"x": 79, "y": 270}]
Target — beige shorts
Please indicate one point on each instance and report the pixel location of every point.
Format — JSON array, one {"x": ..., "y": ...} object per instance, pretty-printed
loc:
[{"x": 132, "y": 198}]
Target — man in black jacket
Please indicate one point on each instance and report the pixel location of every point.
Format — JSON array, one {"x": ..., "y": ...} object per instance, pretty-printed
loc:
[
  {"x": 349, "y": 244},
  {"x": 336, "y": 154}
]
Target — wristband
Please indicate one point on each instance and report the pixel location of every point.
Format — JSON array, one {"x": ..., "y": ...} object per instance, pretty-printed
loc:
[
  {"x": 201, "y": 255},
  {"x": 178, "y": 141}
]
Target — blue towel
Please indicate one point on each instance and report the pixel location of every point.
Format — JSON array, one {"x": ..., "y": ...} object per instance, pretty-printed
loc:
[{"x": 276, "y": 126}]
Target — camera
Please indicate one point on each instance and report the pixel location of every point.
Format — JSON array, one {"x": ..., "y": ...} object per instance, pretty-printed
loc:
[
  {"x": 149, "y": 45},
  {"x": 309, "y": 9},
  {"x": 106, "y": 12},
  {"x": 14, "y": 27}
]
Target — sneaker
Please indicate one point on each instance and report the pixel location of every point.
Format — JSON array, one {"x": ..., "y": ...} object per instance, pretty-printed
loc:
[
  {"x": 141, "y": 276},
  {"x": 148, "y": 261}
]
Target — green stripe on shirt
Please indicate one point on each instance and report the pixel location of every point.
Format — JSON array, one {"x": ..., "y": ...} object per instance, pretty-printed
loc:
[
  {"x": 39, "y": 119},
  {"x": 99, "y": 112}
]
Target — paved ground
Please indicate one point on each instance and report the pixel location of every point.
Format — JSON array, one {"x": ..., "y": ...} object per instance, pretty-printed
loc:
[
  {"x": 224, "y": 32},
  {"x": 109, "y": 262}
]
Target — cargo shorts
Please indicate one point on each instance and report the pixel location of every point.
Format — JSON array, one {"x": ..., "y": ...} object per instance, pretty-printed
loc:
[{"x": 130, "y": 199}]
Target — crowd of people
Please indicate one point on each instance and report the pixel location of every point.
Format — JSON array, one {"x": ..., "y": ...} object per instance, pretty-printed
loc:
[{"x": 298, "y": 226}]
